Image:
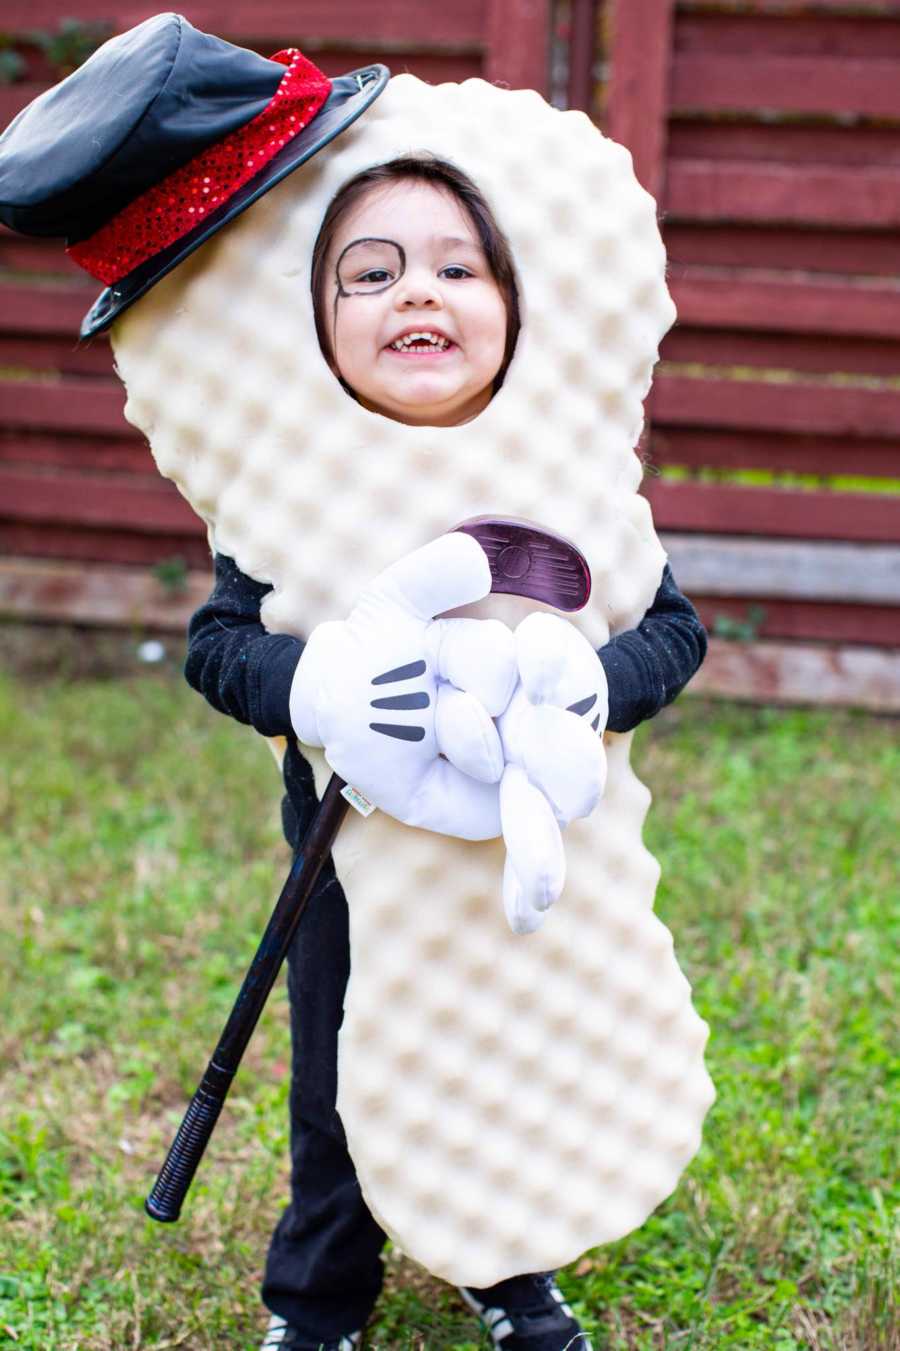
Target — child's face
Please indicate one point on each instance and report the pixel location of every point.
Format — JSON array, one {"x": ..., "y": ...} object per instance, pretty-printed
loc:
[{"x": 408, "y": 260}]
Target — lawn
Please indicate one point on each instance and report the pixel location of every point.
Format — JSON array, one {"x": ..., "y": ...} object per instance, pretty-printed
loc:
[{"x": 140, "y": 857}]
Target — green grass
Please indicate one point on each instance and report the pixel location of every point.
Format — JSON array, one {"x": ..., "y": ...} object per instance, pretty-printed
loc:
[{"x": 139, "y": 858}]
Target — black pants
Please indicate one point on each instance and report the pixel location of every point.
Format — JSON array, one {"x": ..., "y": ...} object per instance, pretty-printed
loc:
[{"x": 324, "y": 1269}]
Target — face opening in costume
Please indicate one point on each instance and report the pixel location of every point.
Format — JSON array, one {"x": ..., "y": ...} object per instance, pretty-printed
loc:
[{"x": 416, "y": 306}]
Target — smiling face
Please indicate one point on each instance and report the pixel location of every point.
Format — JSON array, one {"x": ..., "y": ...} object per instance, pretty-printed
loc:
[{"x": 415, "y": 320}]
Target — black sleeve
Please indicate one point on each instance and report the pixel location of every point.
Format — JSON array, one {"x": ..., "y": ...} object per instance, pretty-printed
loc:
[
  {"x": 239, "y": 667},
  {"x": 648, "y": 666}
]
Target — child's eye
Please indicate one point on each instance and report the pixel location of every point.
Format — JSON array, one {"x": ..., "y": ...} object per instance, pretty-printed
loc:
[
  {"x": 373, "y": 277},
  {"x": 455, "y": 272}
]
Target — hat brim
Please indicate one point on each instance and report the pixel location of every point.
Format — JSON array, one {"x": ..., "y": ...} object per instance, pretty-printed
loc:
[{"x": 350, "y": 96}]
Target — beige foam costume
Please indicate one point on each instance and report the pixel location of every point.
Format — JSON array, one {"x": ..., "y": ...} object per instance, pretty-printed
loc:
[{"x": 509, "y": 1102}]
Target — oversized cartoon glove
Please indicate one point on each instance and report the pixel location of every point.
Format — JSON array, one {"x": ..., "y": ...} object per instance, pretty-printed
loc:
[
  {"x": 555, "y": 771},
  {"x": 390, "y": 691}
]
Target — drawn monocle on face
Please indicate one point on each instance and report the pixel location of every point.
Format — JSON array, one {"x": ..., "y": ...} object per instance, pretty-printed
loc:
[{"x": 368, "y": 257}]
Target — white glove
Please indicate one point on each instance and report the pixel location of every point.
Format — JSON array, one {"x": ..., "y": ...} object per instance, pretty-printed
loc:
[
  {"x": 555, "y": 762},
  {"x": 390, "y": 690}
]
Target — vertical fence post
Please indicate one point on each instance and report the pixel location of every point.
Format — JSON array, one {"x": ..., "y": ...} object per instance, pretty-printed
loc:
[
  {"x": 638, "y": 103},
  {"x": 517, "y": 43}
]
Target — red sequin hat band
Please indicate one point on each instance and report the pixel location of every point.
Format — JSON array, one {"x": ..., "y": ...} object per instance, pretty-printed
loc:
[{"x": 182, "y": 201}]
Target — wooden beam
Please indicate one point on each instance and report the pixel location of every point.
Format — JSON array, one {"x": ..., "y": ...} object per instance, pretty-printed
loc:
[
  {"x": 99, "y": 595},
  {"x": 797, "y": 303},
  {"x": 517, "y": 43},
  {"x": 795, "y": 673},
  {"x": 399, "y": 21},
  {"x": 779, "y": 406},
  {"x": 96, "y": 501},
  {"x": 812, "y": 249},
  {"x": 801, "y": 621},
  {"x": 708, "y": 565},
  {"x": 778, "y": 452},
  {"x": 728, "y": 509},
  {"x": 772, "y": 194},
  {"x": 816, "y": 85},
  {"x": 93, "y": 406},
  {"x": 638, "y": 96}
]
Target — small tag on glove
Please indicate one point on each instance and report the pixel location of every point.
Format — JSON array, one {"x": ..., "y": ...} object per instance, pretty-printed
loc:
[{"x": 358, "y": 801}]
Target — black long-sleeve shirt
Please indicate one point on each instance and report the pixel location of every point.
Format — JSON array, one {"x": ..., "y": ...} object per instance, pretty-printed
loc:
[{"x": 245, "y": 671}]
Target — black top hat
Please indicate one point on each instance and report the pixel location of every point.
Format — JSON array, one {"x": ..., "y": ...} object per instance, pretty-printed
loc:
[{"x": 146, "y": 105}]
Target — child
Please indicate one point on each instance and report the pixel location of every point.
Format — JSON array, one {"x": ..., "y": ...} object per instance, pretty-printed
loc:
[
  {"x": 417, "y": 314},
  {"x": 160, "y": 141}
]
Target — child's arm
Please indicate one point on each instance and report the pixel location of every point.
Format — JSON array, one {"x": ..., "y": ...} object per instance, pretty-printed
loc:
[
  {"x": 648, "y": 666},
  {"x": 239, "y": 667}
]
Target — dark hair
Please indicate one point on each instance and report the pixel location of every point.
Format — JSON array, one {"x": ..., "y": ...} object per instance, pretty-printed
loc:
[{"x": 423, "y": 168}]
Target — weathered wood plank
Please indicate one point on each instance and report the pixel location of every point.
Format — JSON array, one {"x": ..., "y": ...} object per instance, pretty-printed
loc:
[
  {"x": 725, "y": 508},
  {"x": 795, "y": 673},
  {"x": 802, "y": 621},
  {"x": 818, "y": 34},
  {"x": 718, "y": 190},
  {"x": 803, "y": 352},
  {"x": 126, "y": 455},
  {"x": 709, "y": 82},
  {"x": 95, "y": 501},
  {"x": 638, "y": 91},
  {"x": 64, "y": 405},
  {"x": 805, "y": 408},
  {"x": 725, "y": 298},
  {"x": 702, "y": 447},
  {"x": 861, "y": 252},
  {"x": 26, "y": 540},
  {"x": 98, "y": 595},
  {"x": 784, "y": 142},
  {"x": 857, "y": 574},
  {"x": 402, "y": 21}
]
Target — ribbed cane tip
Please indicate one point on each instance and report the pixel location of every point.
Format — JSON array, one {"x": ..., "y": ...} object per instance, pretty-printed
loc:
[{"x": 160, "y": 1213}]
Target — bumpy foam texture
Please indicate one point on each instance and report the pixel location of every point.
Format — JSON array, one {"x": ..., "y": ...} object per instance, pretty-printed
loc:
[{"x": 508, "y": 1102}]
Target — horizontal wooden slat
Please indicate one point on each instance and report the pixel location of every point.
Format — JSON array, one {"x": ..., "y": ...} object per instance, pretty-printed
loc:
[
  {"x": 861, "y": 252},
  {"x": 64, "y": 405},
  {"x": 97, "y": 595},
  {"x": 25, "y": 540},
  {"x": 41, "y": 308},
  {"x": 56, "y": 354},
  {"x": 726, "y": 508},
  {"x": 788, "y": 33},
  {"x": 805, "y": 408},
  {"x": 715, "y": 448},
  {"x": 784, "y": 142},
  {"x": 95, "y": 500},
  {"x": 715, "y": 297},
  {"x": 802, "y": 352},
  {"x": 710, "y": 82},
  {"x": 718, "y": 190},
  {"x": 126, "y": 454},
  {"x": 803, "y": 621},
  {"x": 788, "y": 9},
  {"x": 796, "y": 673},
  {"x": 783, "y": 569},
  {"x": 405, "y": 21}
]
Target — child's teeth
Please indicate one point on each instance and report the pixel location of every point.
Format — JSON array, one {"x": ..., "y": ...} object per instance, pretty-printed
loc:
[{"x": 409, "y": 340}]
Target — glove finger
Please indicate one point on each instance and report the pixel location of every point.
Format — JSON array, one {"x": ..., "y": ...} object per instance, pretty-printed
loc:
[
  {"x": 466, "y": 735},
  {"x": 533, "y": 839},
  {"x": 564, "y": 758},
  {"x": 557, "y": 665},
  {"x": 521, "y": 917},
  {"x": 476, "y": 655},
  {"x": 450, "y": 571},
  {"x": 452, "y": 803}
]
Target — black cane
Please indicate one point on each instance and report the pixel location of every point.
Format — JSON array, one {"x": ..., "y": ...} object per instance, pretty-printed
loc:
[{"x": 525, "y": 560}]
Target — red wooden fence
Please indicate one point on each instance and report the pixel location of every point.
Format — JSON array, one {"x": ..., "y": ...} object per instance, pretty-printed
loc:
[{"x": 770, "y": 132}]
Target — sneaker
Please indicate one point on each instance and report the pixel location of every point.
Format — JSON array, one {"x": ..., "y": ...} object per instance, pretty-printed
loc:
[
  {"x": 283, "y": 1336},
  {"x": 544, "y": 1323}
]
